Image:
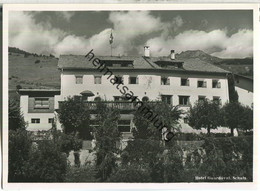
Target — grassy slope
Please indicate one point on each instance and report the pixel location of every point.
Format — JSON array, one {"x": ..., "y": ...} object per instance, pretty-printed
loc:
[{"x": 25, "y": 72}]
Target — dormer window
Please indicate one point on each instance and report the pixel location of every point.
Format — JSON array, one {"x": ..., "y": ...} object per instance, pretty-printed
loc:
[
  {"x": 169, "y": 64},
  {"x": 118, "y": 63},
  {"x": 165, "y": 81}
]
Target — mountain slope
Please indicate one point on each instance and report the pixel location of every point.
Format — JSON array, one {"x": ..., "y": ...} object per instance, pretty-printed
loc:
[
  {"x": 198, "y": 54},
  {"x": 32, "y": 71},
  {"x": 243, "y": 66}
]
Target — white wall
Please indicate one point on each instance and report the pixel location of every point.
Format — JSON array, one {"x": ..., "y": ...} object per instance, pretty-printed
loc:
[
  {"x": 245, "y": 96},
  {"x": 44, "y": 117},
  {"x": 149, "y": 85}
]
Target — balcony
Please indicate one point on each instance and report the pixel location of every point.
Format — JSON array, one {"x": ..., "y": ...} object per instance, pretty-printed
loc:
[{"x": 123, "y": 106}]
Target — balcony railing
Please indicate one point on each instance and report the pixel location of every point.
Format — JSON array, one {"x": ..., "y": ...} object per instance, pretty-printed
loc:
[
  {"x": 112, "y": 104},
  {"x": 120, "y": 105}
]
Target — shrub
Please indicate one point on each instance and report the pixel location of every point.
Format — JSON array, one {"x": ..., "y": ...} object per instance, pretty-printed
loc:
[
  {"x": 229, "y": 156},
  {"x": 19, "y": 146},
  {"x": 46, "y": 163},
  {"x": 82, "y": 174},
  {"x": 16, "y": 120},
  {"x": 205, "y": 114},
  {"x": 131, "y": 173}
]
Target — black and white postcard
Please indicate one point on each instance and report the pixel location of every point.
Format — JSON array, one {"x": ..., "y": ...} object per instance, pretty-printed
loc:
[{"x": 127, "y": 94}]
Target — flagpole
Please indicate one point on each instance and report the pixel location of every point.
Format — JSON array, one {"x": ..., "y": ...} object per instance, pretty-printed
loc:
[
  {"x": 111, "y": 41},
  {"x": 111, "y": 49}
]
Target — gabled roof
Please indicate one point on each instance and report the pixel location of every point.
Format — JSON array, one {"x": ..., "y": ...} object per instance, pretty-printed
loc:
[{"x": 139, "y": 62}]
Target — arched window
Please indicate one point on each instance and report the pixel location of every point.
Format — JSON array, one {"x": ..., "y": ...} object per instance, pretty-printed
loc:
[
  {"x": 97, "y": 99},
  {"x": 145, "y": 99}
]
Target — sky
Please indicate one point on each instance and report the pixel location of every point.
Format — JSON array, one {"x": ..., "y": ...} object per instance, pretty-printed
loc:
[{"x": 221, "y": 33}]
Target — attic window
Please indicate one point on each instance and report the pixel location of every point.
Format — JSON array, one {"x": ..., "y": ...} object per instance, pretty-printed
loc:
[
  {"x": 118, "y": 63},
  {"x": 169, "y": 64}
]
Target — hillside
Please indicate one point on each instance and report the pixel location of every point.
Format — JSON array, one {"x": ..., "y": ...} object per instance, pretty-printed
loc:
[
  {"x": 198, "y": 54},
  {"x": 32, "y": 71},
  {"x": 242, "y": 66}
]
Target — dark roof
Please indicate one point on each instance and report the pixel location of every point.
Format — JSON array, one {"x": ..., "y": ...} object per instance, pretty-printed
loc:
[
  {"x": 81, "y": 62},
  {"x": 39, "y": 91}
]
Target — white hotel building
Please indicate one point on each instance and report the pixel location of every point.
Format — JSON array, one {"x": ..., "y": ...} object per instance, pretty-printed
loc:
[{"x": 149, "y": 78}]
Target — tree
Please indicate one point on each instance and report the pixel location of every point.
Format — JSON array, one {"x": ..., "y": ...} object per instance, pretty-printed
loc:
[
  {"x": 46, "y": 163},
  {"x": 35, "y": 161},
  {"x": 237, "y": 116},
  {"x": 16, "y": 120},
  {"x": 131, "y": 173},
  {"x": 233, "y": 95},
  {"x": 205, "y": 114},
  {"x": 75, "y": 118},
  {"x": 18, "y": 87},
  {"x": 107, "y": 137},
  {"x": 19, "y": 146},
  {"x": 163, "y": 115}
]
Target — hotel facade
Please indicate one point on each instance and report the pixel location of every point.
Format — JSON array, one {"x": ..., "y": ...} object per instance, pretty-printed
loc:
[{"x": 149, "y": 78}]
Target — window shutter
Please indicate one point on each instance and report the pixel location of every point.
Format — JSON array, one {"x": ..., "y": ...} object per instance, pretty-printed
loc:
[
  {"x": 219, "y": 85},
  {"x": 188, "y": 82},
  {"x": 204, "y": 84},
  {"x": 137, "y": 80},
  {"x": 168, "y": 81}
]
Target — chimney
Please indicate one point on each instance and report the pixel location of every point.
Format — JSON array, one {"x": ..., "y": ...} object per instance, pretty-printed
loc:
[
  {"x": 146, "y": 51},
  {"x": 172, "y": 55}
]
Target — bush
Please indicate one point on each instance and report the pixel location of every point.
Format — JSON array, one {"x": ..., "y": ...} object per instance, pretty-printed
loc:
[
  {"x": 131, "y": 173},
  {"x": 16, "y": 120},
  {"x": 19, "y": 147},
  {"x": 37, "y": 61},
  {"x": 229, "y": 156},
  {"x": 34, "y": 162},
  {"x": 46, "y": 163},
  {"x": 82, "y": 174}
]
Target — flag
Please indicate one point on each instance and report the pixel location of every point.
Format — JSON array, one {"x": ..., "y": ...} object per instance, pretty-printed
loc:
[{"x": 111, "y": 38}]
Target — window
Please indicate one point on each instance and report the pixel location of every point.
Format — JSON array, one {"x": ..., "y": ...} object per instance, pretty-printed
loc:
[
  {"x": 201, "y": 98},
  {"x": 202, "y": 84},
  {"x": 35, "y": 120},
  {"x": 41, "y": 103},
  {"x": 79, "y": 79},
  {"x": 50, "y": 120},
  {"x": 97, "y": 79},
  {"x": 116, "y": 65},
  {"x": 184, "y": 100},
  {"x": 119, "y": 80},
  {"x": 216, "y": 84},
  {"x": 185, "y": 120},
  {"x": 120, "y": 98},
  {"x": 167, "y": 99},
  {"x": 185, "y": 82},
  {"x": 165, "y": 81},
  {"x": 124, "y": 125},
  {"x": 216, "y": 99},
  {"x": 133, "y": 80}
]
